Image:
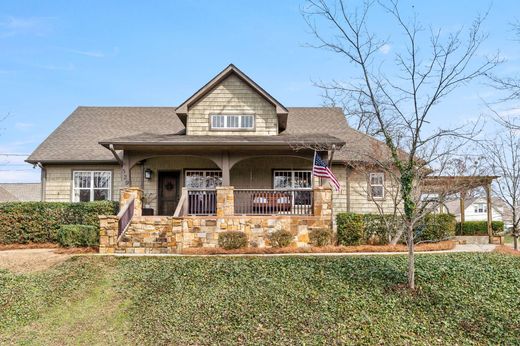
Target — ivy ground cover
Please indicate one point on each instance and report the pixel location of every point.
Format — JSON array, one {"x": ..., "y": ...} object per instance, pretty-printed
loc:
[{"x": 462, "y": 299}]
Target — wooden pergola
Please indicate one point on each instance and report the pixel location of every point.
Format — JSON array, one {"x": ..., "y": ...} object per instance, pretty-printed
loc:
[{"x": 447, "y": 185}]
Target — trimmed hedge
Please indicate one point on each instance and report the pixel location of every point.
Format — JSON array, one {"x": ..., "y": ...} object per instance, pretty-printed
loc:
[
  {"x": 351, "y": 228},
  {"x": 78, "y": 235},
  {"x": 39, "y": 222},
  {"x": 436, "y": 227},
  {"x": 480, "y": 228},
  {"x": 358, "y": 229},
  {"x": 231, "y": 240}
]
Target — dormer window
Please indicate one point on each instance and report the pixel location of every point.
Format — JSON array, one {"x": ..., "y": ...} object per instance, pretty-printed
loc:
[{"x": 232, "y": 121}]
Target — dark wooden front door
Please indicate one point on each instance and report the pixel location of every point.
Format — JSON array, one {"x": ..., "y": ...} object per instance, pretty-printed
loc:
[{"x": 168, "y": 192}]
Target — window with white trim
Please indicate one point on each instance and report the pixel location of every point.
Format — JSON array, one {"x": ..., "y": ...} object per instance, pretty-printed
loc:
[
  {"x": 202, "y": 179},
  {"x": 292, "y": 179},
  {"x": 91, "y": 186},
  {"x": 377, "y": 183},
  {"x": 480, "y": 208},
  {"x": 233, "y": 121}
]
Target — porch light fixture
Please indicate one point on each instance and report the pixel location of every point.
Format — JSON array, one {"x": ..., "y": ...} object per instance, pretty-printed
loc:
[{"x": 148, "y": 174}]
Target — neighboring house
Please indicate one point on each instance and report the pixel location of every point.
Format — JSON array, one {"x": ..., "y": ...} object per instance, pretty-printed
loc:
[
  {"x": 475, "y": 209},
  {"x": 20, "y": 192},
  {"x": 231, "y": 132}
]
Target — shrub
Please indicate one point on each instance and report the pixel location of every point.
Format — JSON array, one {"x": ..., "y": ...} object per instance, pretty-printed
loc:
[
  {"x": 350, "y": 228},
  {"x": 374, "y": 229},
  {"x": 479, "y": 228},
  {"x": 39, "y": 222},
  {"x": 379, "y": 229},
  {"x": 78, "y": 235},
  {"x": 320, "y": 236},
  {"x": 281, "y": 238},
  {"x": 436, "y": 227},
  {"x": 230, "y": 240}
]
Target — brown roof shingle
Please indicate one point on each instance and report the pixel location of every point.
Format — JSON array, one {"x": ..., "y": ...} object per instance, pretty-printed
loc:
[
  {"x": 77, "y": 138},
  {"x": 20, "y": 192}
]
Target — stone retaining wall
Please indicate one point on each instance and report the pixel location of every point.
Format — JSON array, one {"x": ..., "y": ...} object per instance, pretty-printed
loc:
[
  {"x": 168, "y": 234},
  {"x": 165, "y": 234}
]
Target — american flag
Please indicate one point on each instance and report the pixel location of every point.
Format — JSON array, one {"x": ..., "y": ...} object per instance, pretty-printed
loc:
[{"x": 320, "y": 169}]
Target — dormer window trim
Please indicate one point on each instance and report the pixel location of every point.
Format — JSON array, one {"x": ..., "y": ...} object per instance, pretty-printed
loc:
[{"x": 232, "y": 122}]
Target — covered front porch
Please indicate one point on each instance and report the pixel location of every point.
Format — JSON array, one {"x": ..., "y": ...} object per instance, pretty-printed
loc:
[{"x": 179, "y": 176}]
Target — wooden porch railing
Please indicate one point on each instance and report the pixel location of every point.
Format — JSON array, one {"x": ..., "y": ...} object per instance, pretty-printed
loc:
[
  {"x": 182, "y": 206},
  {"x": 125, "y": 217},
  {"x": 202, "y": 201},
  {"x": 273, "y": 201}
]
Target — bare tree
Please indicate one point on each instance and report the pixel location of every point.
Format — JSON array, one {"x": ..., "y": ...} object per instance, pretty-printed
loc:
[
  {"x": 402, "y": 102},
  {"x": 503, "y": 153}
]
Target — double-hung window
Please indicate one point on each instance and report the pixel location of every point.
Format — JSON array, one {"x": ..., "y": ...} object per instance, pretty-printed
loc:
[
  {"x": 202, "y": 179},
  {"x": 292, "y": 179},
  {"x": 480, "y": 208},
  {"x": 232, "y": 121},
  {"x": 376, "y": 185},
  {"x": 91, "y": 186},
  {"x": 300, "y": 180}
]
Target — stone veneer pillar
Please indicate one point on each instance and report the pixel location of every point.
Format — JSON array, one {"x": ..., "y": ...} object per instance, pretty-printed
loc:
[
  {"x": 107, "y": 233},
  {"x": 127, "y": 194},
  {"x": 323, "y": 202},
  {"x": 225, "y": 201}
]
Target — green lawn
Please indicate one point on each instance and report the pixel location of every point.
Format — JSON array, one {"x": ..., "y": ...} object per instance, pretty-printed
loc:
[{"x": 462, "y": 298}]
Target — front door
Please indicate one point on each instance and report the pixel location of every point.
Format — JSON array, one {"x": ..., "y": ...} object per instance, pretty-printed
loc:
[{"x": 168, "y": 192}]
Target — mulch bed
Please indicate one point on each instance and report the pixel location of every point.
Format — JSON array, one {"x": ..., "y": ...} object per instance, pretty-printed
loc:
[
  {"x": 28, "y": 246},
  {"x": 444, "y": 245},
  {"x": 507, "y": 250}
]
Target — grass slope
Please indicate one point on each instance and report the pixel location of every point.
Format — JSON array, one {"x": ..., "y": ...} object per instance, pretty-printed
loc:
[{"x": 463, "y": 298}]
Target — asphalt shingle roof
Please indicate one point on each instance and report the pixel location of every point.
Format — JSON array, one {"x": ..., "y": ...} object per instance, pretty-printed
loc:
[
  {"x": 20, "y": 192},
  {"x": 77, "y": 138}
]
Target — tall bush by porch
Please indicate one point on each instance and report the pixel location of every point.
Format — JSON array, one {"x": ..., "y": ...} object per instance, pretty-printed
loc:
[
  {"x": 357, "y": 229},
  {"x": 39, "y": 222}
]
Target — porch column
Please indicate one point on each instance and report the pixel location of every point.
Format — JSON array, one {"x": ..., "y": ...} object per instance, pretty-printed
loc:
[
  {"x": 132, "y": 192},
  {"x": 489, "y": 212},
  {"x": 126, "y": 177},
  {"x": 226, "y": 179},
  {"x": 462, "y": 211},
  {"x": 225, "y": 201},
  {"x": 322, "y": 204}
]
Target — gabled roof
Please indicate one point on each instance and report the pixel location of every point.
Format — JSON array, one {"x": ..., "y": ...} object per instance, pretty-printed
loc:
[
  {"x": 496, "y": 203},
  {"x": 77, "y": 139},
  {"x": 281, "y": 111},
  {"x": 20, "y": 192}
]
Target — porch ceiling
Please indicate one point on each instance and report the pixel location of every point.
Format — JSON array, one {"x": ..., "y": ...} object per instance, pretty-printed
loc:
[{"x": 143, "y": 140}]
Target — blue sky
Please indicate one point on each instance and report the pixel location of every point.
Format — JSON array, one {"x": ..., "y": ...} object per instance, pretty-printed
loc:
[{"x": 57, "y": 55}]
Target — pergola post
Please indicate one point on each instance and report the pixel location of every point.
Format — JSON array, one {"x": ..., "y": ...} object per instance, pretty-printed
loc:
[
  {"x": 462, "y": 211},
  {"x": 489, "y": 212}
]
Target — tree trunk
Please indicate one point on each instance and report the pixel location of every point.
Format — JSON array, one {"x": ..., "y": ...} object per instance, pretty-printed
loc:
[
  {"x": 397, "y": 236},
  {"x": 515, "y": 241},
  {"x": 411, "y": 258}
]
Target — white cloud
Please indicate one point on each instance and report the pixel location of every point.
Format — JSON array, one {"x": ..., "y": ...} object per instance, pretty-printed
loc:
[
  {"x": 385, "y": 49},
  {"x": 92, "y": 54},
  {"x": 11, "y": 26},
  {"x": 23, "y": 126}
]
